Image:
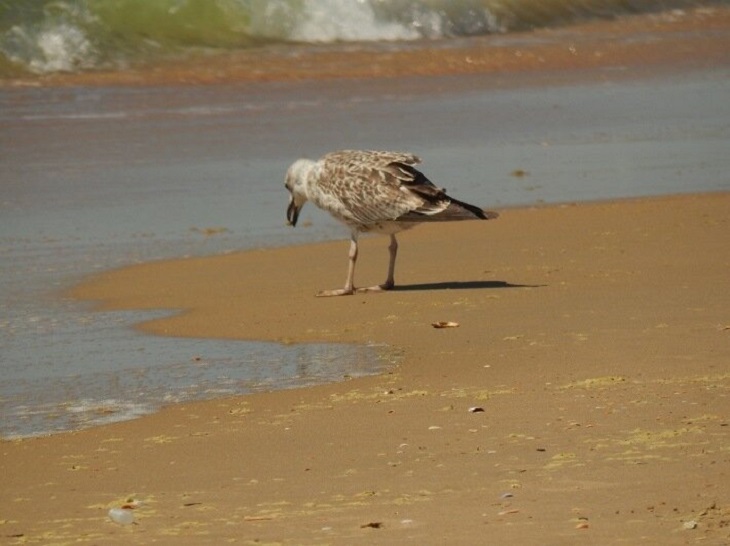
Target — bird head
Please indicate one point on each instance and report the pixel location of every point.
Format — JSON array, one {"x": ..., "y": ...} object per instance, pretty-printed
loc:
[{"x": 296, "y": 182}]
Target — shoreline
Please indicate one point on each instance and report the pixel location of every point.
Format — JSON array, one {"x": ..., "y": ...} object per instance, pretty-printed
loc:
[
  {"x": 598, "y": 358},
  {"x": 88, "y": 288},
  {"x": 151, "y": 296}
]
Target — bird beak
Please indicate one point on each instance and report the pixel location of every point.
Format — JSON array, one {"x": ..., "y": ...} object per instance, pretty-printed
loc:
[{"x": 292, "y": 213}]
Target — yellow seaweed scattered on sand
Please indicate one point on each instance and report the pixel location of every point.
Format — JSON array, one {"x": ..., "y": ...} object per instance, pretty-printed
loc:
[
  {"x": 562, "y": 459},
  {"x": 594, "y": 383}
]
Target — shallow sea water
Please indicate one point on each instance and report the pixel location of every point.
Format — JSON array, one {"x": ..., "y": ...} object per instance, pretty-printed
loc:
[
  {"x": 66, "y": 366},
  {"x": 96, "y": 178}
]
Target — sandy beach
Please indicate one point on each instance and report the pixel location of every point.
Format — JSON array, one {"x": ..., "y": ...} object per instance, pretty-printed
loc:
[
  {"x": 582, "y": 398},
  {"x": 594, "y": 338}
]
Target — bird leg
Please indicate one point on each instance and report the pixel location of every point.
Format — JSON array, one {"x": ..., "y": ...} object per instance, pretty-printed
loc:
[
  {"x": 390, "y": 281},
  {"x": 393, "y": 250},
  {"x": 349, "y": 283}
]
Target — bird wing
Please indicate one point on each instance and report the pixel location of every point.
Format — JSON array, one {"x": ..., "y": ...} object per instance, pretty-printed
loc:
[{"x": 367, "y": 187}]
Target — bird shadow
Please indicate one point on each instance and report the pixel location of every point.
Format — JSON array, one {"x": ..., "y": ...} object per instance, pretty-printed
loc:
[{"x": 461, "y": 285}]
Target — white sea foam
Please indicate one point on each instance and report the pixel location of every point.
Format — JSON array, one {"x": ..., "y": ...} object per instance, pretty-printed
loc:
[
  {"x": 63, "y": 48},
  {"x": 90, "y": 116},
  {"x": 27, "y": 421},
  {"x": 51, "y": 48},
  {"x": 333, "y": 20},
  {"x": 89, "y": 412}
]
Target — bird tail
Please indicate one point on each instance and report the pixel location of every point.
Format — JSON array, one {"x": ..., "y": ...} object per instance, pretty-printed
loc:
[
  {"x": 476, "y": 211},
  {"x": 459, "y": 210},
  {"x": 453, "y": 211}
]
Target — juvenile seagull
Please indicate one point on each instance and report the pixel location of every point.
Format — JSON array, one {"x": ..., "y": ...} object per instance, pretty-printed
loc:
[{"x": 379, "y": 192}]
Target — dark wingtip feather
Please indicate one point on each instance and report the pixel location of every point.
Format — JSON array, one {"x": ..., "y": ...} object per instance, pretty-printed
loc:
[{"x": 476, "y": 211}]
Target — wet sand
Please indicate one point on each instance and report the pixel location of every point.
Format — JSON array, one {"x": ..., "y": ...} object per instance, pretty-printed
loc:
[{"x": 594, "y": 337}]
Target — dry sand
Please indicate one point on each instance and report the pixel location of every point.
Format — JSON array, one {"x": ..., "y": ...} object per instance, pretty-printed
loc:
[{"x": 595, "y": 337}]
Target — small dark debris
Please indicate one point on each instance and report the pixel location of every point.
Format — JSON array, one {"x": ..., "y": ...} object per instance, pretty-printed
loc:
[{"x": 372, "y": 525}]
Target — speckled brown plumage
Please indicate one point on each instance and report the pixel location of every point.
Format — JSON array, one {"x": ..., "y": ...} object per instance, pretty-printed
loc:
[{"x": 372, "y": 191}]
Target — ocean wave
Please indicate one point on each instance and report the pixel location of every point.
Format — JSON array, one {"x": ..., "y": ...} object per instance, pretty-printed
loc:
[{"x": 45, "y": 36}]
